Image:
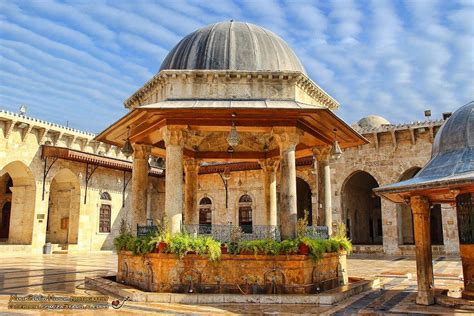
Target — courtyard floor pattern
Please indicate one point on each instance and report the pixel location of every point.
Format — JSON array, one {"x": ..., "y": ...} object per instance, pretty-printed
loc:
[{"x": 64, "y": 274}]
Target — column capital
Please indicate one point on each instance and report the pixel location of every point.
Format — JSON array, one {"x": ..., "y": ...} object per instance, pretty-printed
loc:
[
  {"x": 174, "y": 135},
  {"x": 322, "y": 153},
  {"x": 141, "y": 151},
  {"x": 286, "y": 138},
  {"x": 269, "y": 164},
  {"x": 191, "y": 165},
  {"x": 420, "y": 205}
]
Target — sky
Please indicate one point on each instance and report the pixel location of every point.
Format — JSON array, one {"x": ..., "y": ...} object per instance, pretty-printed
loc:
[{"x": 75, "y": 62}]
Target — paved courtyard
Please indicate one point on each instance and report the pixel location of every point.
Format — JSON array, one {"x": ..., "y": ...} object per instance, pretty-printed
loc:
[{"x": 64, "y": 274}]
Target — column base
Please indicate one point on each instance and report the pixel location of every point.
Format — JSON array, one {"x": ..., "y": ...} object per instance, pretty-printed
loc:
[
  {"x": 468, "y": 294},
  {"x": 425, "y": 298}
]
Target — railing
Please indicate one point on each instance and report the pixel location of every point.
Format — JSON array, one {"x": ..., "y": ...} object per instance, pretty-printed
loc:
[
  {"x": 319, "y": 232},
  {"x": 146, "y": 230},
  {"x": 227, "y": 233}
]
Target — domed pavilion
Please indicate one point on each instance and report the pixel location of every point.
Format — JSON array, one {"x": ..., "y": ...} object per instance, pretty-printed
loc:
[
  {"x": 447, "y": 178},
  {"x": 230, "y": 92}
]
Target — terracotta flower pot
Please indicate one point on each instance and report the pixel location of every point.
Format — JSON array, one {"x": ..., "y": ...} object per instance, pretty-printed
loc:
[
  {"x": 162, "y": 246},
  {"x": 303, "y": 249},
  {"x": 224, "y": 250}
]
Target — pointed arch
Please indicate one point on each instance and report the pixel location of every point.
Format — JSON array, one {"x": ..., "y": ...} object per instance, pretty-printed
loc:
[
  {"x": 19, "y": 190},
  {"x": 64, "y": 208},
  {"x": 362, "y": 208}
]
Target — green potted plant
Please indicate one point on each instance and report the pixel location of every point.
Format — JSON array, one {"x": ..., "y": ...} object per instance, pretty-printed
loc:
[
  {"x": 224, "y": 249},
  {"x": 162, "y": 236},
  {"x": 301, "y": 232}
]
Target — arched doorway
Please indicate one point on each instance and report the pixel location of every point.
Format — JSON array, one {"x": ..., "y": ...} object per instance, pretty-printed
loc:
[
  {"x": 303, "y": 201},
  {"x": 5, "y": 221},
  {"x": 17, "y": 201},
  {"x": 405, "y": 218},
  {"x": 362, "y": 209},
  {"x": 6, "y": 183},
  {"x": 245, "y": 214},
  {"x": 63, "y": 209}
]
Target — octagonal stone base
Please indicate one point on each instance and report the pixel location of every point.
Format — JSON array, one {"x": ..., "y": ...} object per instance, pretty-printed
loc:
[{"x": 241, "y": 274}]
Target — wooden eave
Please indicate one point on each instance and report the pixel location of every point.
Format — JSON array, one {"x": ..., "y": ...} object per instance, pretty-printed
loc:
[
  {"x": 437, "y": 192},
  {"x": 317, "y": 124},
  {"x": 88, "y": 158}
]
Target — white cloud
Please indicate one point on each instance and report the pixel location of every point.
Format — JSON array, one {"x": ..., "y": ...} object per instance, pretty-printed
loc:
[{"x": 382, "y": 57}]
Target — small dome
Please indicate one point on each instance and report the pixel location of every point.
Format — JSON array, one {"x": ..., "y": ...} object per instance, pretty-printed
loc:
[
  {"x": 453, "y": 147},
  {"x": 371, "y": 122},
  {"x": 232, "y": 46}
]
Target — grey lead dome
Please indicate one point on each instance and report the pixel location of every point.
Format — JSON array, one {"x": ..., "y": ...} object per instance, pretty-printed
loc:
[{"x": 233, "y": 46}]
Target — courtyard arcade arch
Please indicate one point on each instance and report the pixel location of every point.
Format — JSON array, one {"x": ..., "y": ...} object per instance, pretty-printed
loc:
[
  {"x": 303, "y": 201},
  {"x": 362, "y": 209},
  {"x": 17, "y": 203},
  {"x": 64, "y": 208},
  {"x": 405, "y": 218}
]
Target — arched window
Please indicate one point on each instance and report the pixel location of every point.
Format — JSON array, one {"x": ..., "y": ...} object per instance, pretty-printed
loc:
[
  {"x": 205, "y": 211},
  {"x": 245, "y": 213},
  {"x": 105, "y": 196},
  {"x": 105, "y": 213}
]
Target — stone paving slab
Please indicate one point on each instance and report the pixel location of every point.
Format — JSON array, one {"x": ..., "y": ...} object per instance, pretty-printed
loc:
[{"x": 65, "y": 274}]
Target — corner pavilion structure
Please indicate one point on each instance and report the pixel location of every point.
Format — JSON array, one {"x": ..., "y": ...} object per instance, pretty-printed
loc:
[
  {"x": 447, "y": 178},
  {"x": 229, "y": 92}
]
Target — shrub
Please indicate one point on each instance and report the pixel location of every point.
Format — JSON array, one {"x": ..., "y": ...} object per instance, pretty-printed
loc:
[
  {"x": 124, "y": 237},
  {"x": 142, "y": 245},
  {"x": 181, "y": 244},
  {"x": 121, "y": 241},
  {"x": 289, "y": 246},
  {"x": 302, "y": 226}
]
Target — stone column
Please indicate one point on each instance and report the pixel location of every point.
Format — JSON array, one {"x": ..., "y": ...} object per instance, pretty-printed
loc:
[
  {"x": 149, "y": 202},
  {"x": 322, "y": 155},
  {"x": 270, "y": 167},
  {"x": 191, "y": 169},
  {"x": 174, "y": 142},
  {"x": 450, "y": 229},
  {"x": 287, "y": 142},
  {"x": 420, "y": 207},
  {"x": 141, "y": 153}
]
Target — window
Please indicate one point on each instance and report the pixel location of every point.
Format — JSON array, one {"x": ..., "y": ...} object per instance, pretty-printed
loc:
[
  {"x": 205, "y": 212},
  {"x": 105, "y": 196},
  {"x": 245, "y": 213},
  {"x": 105, "y": 213}
]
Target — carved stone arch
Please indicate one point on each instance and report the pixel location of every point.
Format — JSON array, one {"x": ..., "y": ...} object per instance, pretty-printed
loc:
[
  {"x": 64, "y": 207},
  {"x": 19, "y": 224},
  {"x": 309, "y": 179},
  {"x": 408, "y": 173},
  {"x": 361, "y": 208}
]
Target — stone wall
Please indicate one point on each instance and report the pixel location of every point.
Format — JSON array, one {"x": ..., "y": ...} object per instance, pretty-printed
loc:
[{"x": 20, "y": 157}]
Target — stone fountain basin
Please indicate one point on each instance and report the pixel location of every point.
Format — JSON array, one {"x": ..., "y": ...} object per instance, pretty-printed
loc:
[
  {"x": 234, "y": 274},
  {"x": 109, "y": 286}
]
